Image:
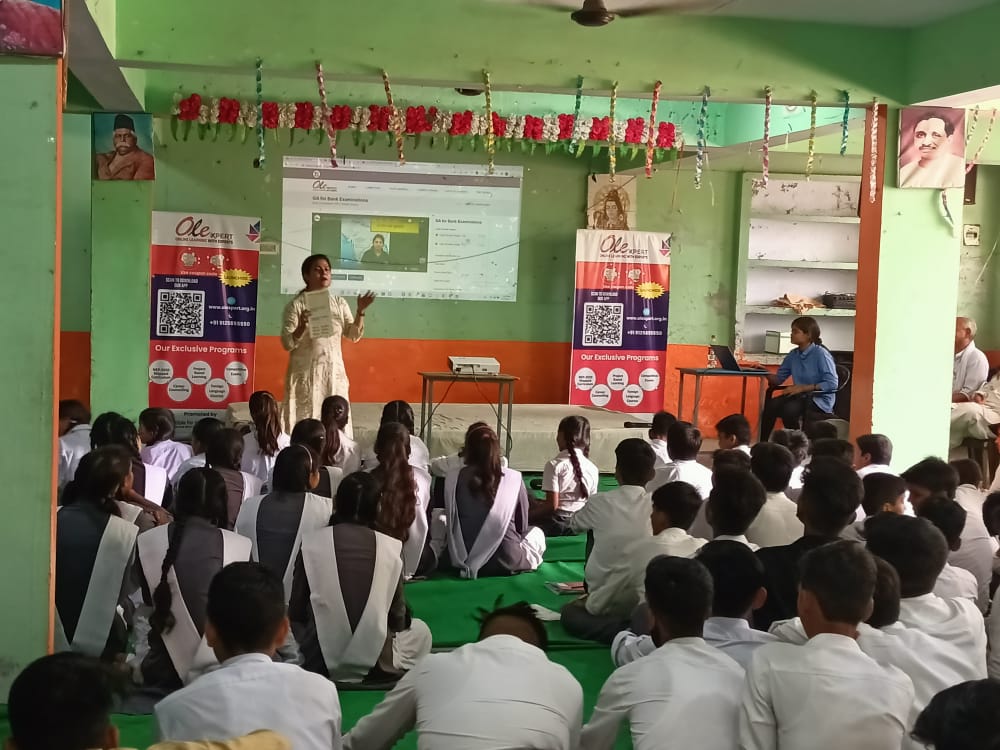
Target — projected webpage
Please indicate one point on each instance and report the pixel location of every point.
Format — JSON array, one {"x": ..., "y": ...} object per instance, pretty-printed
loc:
[{"x": 436, "y": 231}]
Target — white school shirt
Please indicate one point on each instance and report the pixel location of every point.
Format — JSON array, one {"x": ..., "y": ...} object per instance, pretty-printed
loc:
[
  {"x": 744, "y": 447},
  {"x": 673, "y": 542},
  {"x": 733, "y": 636},
  {"x": 197, "y": 461},
  {"x": 255, "y": 462},
  {"x": 443, "y": 464},
  {"x": 977, "y": 552},
  {"x": 824, "y": 694},
  {"x": 741, "y": 538},
  {"x": 970, "y": 371},
  {"x": 420, "y": 456},
  {"x": 692, "y": 472},
  {"x": 684, "y": 695},
  {"x": 73, "y": 446},
  {"x": 993, "y": 625},
  {"x": 499, "y": 692},
  {"x": 794, "y": 488},
  {"x": 660, "y": 449},
  {"x": 348, "y": 457},
  {"x": 167, "y": 454},
  {"x": 954, "y": 621},
  {"x": 558, "y": 476},
  {"x": 252, "y": 692},
  {"x": 777, "y": 523},
  {"x": 957, "y": 583},
  {"x": 620, "y": 522}
]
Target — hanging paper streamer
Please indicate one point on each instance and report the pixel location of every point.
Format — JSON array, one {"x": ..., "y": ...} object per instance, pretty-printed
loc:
[
  {"x": 699, "y": 159},
  {"x": 844, "y": 129},
  {"x": 571, "y": 146},
  {"x": 873, "y": 144},
  {"x": 261, "y": 156},
  {"x": 396, "y": 125},
  {"x": 612, "y": 155},
  {"x": 986, "y": 139},
  {"x": 947, "y": 211},
  {"x": 972, "y": 126},
  {"x": 811, "y": 159},
  {"x": 766, "y": 146},
  {"x": 491, "y": 147},
  {"x": 331, "y": 134},
  {"x": 651, "y": 140}
]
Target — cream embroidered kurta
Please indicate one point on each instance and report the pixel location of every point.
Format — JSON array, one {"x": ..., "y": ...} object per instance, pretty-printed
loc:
[{"x": 315, "y": 366}]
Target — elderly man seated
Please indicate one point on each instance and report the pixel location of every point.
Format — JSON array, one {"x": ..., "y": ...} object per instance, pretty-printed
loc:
[{"x": 975, "y": 403}]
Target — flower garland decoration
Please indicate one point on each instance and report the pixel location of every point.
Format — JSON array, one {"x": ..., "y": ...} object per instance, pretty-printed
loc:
[
  {"x": 325, "y": 115},
  {"x": 491, "y": 145},
  {"x": 766, "y": 145},
  {"x": 873, "y": 163},
  {"x": 972, "y": 126},
  {"x": 261, "y": 155},
  {"x": 699, "y": 159},
  {"x": 986, "y": 139},
  {"x": 527, "y": 129},
  {"x": 393, "y": 116},
  {"x": 650, "y": 141},
  {"x": 844, "y": 127},
  {"x": 612, "y": 156},
  {"x": 811, "y": 158}
]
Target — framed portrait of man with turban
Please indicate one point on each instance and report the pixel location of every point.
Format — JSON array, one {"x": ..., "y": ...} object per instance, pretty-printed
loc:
[{"x": 123, "y": 147}]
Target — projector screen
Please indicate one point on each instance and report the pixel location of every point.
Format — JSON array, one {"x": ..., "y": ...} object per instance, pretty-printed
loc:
[{"x": 436, "y": 231}]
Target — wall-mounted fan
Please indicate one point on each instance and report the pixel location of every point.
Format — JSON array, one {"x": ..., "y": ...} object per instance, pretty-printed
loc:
[{"x": 597, "y": 12}]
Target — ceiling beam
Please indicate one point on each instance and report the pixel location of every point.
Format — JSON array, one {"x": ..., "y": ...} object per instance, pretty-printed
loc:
[{"x": 93, "y": 63}]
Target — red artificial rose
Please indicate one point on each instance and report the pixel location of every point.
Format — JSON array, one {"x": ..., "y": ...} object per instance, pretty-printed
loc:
[
  {"x": 304, "y": 115},
  {"x": 340, "y": 116},
  {"x": 633, "y": 130},
  {"x": 566, "y": 123},
  {"x": 416, "y": 120},
  {"x": 378, "y": 118},
  {"x": 189, "y": 108},
  {"x": 600, "y": 128},
  {"x": 666, "y": 135},
  {"x": 499, "y": 125},
  {"x": 533, "y": 127},
  {"x": 461, "y": 123},
  {"x": 229, "y": 111},
  {"x": 269, "y": 115}
]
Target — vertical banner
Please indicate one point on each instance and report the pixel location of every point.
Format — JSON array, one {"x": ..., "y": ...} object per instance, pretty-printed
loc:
[
  {"x": 620, "y": 320},
  {"x": 203, "y": 316}
]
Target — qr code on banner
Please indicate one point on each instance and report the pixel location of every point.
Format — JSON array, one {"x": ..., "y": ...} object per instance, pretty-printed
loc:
[
  {"x": 603, "y": 323},
  {"x": 180, "y": 313}
]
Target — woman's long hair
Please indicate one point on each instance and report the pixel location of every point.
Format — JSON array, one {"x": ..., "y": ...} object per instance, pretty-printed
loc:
[
  {"x": 266, "y": 421},
  {"x": 398, "y": 411},
  {"x": 99, "y": 478},
  {"x": 111, "y": 428},
  {"x": 225, "y": 450},
  {"x": 810, "y": 327},
  {"x": 294, "y": 468},
  {"x": 334, "y": 415},
  {"x": 357, "y": 500},
  {"x": 575, "y": 432},
  {"x": 310, "y": 432},
  {"x": 397, "y": 506},
  {"x": 482, "y": 454},
  {"x": 159, "y": 423},
  {"x": 201, "y": 494}
]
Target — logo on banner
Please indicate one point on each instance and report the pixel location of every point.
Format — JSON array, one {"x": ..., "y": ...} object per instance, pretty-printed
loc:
[
  {"x": 190, "y": 228},
  {"x": 254, "y": 234},
  {"x": 665, "y": 247}
]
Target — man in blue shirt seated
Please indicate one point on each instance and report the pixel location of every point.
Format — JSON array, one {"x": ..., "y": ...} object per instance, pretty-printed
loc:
[{"x": 814, "y": 375}]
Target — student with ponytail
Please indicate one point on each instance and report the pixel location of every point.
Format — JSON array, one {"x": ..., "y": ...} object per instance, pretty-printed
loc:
[
  {"x": 178, "y": 563},
  {"x": 95, "y": 552},
  {"x": 487, "y": 510},
  {"x": 405, "y": 492},
  {"x": 156, "y": 430},
  {"x": 224, "y": 453},
  {"x": 340, "y": 451},
  {"x": 266, "y": 438},
  {"x": 149, "y": 482},
  {"x": 400, "y": 412},
  {"x": 312, "y": 433},
  {"x": 568, "y": 479}
]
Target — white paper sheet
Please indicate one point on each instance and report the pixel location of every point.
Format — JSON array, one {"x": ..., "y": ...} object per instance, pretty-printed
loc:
[{"x": 320, "y": 314}]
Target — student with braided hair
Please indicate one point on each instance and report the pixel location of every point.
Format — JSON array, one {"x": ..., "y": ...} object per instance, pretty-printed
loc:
[
  {"x": 224, "y": 453},
  {"x": 568, "y": 479},
  {"x": 177, "y": 563},
  {"x": 340, "y": 451},
  {"x": 400, "y": 412}
]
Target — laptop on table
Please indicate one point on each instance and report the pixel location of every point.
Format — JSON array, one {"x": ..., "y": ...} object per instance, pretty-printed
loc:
[{"x": 727, "y": 360}]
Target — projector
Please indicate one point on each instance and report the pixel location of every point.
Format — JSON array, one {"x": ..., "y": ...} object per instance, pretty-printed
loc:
[{"x": 474, "y": 365}]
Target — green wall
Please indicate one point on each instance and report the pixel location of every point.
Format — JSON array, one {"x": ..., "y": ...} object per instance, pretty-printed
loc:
[
  {"x": 978, "y": 272},
  {"x": 76, "y": 253},
  {"x": 28, "y": 213}
]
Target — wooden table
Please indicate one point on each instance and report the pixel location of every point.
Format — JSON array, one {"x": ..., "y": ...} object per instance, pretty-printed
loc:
[
  {"x": 505, "y": 396},
  {"x": 700, "y": 373}
]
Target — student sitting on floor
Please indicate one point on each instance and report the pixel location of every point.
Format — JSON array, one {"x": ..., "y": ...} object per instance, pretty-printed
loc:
[
  {"x": 686, "y": 694},
  {"x": 95, "y": 555},
  {"x": 201, "y": 435},
  {"x": 831, "y": 493},
  {"x": 932, "y": 476},
  {"x": 501, "y": 691},
  {"x": 833, "y": 448},
  {"x": 405, "y": 493},
  {"x": 738, "y": 585},
  {"x": 567, "y": 480},
  {"x": 977, "y": 551},
  {"x": 777, "y": 523},
  {"x": 821, "y": 430},
  {"x": 734, "y": 433},
  {"x": 266, "y": 438},
  {"x": 918, "y": 552},
  {"x": 883, "y": 493},
  {"x": 340, "y": 450},
  {"x": 156, "y": 430},
  {"x": 873, "y": 455},
  {"x": 487, "y": 510},
  {"x": 620, "y": 523},
  {"x": 224, "y": 453},
  {"x": 443, "y": 464},
  {"x": 797, "y": 442},
  {"x": 74, "y": 437},
  {"x": 347, "y": 607},
  {"x": 963, "y": 717},
  {"x": 277, "y": 522},
  {"x": 148, "y": 481},
  {"x": 176, "y": 565},
  {"x": 949, "y": 518},
  {"x": 730, "y": 459},
  {"x": 826, "y": 693},
  {"x": 312, "y": 433},
  {"x": 400, "y": 412},
  {"x": 684, "y": 443},
  {"x": 658, "y": 436},
  {"x": 245, "y": 624},
  {"x": 132, "y": 508},
  {"x": 734, "y": 503}
]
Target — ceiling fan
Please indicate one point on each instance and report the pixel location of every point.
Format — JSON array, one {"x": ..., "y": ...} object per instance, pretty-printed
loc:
[{"x": 597, "y": 13}]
